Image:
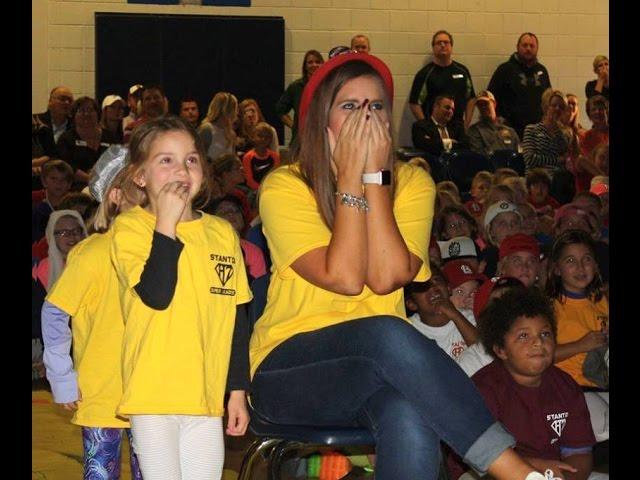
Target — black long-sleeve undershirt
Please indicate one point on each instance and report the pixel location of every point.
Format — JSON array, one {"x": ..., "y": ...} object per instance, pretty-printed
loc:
[
  {"x": 238, "y": 377},
  {"x": 160, "y": 274}
]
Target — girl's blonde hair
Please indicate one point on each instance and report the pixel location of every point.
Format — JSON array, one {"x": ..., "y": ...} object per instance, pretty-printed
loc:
[
  {"x": 482, "y": 176},
  {"x": 108, "y": 210},
  {"x": 312, "y": 150},
  {"x": 139, "y": 148},
  {"x": 451, "y": 187},
  {"x": 597, "y": 60},
  {"x": 223, "y": 106},
  {"x": 500, "y": 192},
  {"x": 548, "y": 95}
]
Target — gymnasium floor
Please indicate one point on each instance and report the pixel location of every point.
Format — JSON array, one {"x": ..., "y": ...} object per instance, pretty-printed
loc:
[{"x": 56, "y": 445}]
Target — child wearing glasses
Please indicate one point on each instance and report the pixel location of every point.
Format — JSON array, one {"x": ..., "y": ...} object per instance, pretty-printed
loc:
[{"x": 65, "y": 229}]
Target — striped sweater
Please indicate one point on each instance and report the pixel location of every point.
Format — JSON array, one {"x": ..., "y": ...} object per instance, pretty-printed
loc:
[{"x": 541, "y": 150}]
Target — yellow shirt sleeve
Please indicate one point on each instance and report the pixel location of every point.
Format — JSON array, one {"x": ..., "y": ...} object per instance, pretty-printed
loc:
[{"x": 288, "y": 212}]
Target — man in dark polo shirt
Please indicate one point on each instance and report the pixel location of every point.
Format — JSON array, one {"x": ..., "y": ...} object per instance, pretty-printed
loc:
[{"x": 442, "y": 76}]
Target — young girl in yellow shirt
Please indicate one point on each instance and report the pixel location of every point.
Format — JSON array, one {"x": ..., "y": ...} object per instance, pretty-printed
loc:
[{"x": 182, "y": 286}]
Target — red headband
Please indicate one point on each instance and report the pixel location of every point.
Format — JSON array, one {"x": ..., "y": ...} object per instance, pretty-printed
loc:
[{"x": 326, "y": 68}]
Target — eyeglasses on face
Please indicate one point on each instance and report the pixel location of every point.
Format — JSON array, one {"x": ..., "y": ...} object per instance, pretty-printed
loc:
[{"x": 69, "y": 232}]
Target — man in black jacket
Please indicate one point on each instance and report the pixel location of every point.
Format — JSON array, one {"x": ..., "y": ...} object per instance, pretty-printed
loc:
[
  {"x": 47, "y": 127},
  {"x": 518, "y": 85},
  {"x": 439, "y": 132}
]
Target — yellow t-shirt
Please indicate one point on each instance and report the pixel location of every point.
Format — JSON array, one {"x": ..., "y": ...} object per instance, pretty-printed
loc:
[
  {"x": 175, "y": 361},
  {"x": 88, "y": 291},
  {"x": 576, "y": 318},
  {"x": 293, "y": 226}
]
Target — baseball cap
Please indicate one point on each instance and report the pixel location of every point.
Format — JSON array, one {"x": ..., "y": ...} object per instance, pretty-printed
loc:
[
  {"x": 110, "y": 100},
  {"x": 106, "y": 168},
  {"x": 134, "y": 88},
  {"x": 599, "y": 188},
  {"x": 573, "y": 209},
  {"x": 457, "y": 247},
  {"x": 458, "y": 271},
  {"x": 496, "y": 209},
  {"x": 519, "y": 242},
  {"x": 483, "y": 293},
  {"x": 485, "y": 95},
  {"x": 330, "y": 65}
]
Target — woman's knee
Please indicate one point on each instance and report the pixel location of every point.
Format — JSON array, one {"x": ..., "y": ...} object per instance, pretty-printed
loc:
[{"x": 398, "y": 340}]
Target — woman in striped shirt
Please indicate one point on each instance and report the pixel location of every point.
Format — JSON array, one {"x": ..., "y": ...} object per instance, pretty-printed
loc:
[{"x": 545, "y": 144}]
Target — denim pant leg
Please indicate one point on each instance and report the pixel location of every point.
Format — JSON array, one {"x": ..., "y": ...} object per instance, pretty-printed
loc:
[
  {"x": 407, "y": 448},
  {"x": 325, "y": 377},
  {"x": 102, "y": 448}
]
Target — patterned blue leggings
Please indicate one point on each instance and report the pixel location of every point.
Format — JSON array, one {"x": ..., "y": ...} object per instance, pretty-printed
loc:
[{"x": 102, "y": 453}]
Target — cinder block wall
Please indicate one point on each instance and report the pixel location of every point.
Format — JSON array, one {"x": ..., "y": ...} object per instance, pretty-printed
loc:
[{"x": 571, "y": 33}]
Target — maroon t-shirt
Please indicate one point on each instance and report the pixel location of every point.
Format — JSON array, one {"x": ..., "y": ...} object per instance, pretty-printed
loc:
[{"x": 542, "y": 419}]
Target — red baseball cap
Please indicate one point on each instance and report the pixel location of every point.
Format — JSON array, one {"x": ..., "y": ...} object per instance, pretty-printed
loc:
[
  {"x": 329, "y": 66},
  {"x": 459, "y": 271},
  {"x": 599, "y": 188},
  {"x": 519, "y": 242},
  {"x": 483, "y": 293}
]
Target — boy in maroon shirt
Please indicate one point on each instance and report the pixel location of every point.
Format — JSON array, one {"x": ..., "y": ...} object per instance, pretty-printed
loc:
[
  {"x": 539, "y": 184},
  {"x": 542, "y": 407}
]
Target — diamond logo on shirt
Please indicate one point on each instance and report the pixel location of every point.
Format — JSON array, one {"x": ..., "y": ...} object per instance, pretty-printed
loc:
[
  {"x": 558, "y": 425},
  {"x": 224, "y": 271},
  {"x": 558, "y": 422}
]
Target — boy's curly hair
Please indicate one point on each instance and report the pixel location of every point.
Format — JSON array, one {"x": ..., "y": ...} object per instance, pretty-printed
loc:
[{"x": 501, "y": 313}]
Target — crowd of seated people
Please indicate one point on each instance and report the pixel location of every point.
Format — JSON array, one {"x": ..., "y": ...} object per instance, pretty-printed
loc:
[{"x": 538, "y": 229}]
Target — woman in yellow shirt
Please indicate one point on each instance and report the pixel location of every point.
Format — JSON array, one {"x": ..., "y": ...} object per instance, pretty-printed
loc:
[{"x": 347, "y": 229}]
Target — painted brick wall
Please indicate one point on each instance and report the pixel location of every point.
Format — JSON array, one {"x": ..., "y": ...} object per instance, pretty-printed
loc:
[{"x": 571, "y": 33}]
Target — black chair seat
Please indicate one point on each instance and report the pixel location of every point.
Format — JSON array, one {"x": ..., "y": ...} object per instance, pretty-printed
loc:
[{"x": 343, "y": 436}]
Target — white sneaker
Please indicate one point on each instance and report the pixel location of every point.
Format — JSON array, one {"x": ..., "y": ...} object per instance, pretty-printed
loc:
[{"x": 548, "y": 475}]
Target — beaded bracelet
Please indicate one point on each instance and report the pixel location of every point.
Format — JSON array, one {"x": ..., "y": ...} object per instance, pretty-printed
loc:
[{"x": 351, "y": 200}]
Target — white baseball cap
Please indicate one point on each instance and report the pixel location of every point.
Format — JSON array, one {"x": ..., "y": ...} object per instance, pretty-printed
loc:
[
  {"x": 497, "y": 208},
  {"x": 110, "y": 100}
]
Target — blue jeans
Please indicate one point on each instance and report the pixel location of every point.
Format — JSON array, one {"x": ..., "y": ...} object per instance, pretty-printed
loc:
[{"x": 381, "y": 373}]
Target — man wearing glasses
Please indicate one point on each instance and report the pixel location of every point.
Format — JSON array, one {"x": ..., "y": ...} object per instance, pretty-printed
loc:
[
  {"x": 442, "y": 76},
  {"x": 47, "y": 127}
]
